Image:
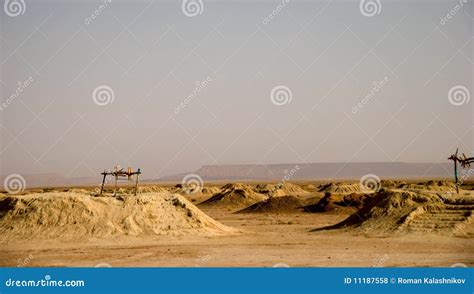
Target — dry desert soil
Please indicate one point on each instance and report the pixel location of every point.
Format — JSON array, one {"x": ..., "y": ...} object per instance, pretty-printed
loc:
[{"x": 187, "y": 231}]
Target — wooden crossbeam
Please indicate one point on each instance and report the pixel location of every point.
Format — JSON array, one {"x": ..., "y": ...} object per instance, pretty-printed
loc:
[{"x": 120, "y": 174}]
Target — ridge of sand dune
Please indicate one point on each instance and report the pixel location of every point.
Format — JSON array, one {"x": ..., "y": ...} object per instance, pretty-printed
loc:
[
  {"x": 341, "y": 188},
  {"x": 210, "y": 190},
  {"x": 308, "y": 187},
  {"x": 75, "y": 216},
  {"x": 408, "y": 211},
  {"x": 275, "y": 205},
  {"x": 234, "y": 195}
]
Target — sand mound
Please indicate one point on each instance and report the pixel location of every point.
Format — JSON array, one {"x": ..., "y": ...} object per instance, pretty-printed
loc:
[
  {"x": 234, "y": 186},
  {"x": 437, "y": 186},
  {"x": 75, "y": 190},
  {"x": 292, "y": 189},
  {"x": 74, "y": 216},
  {"x": 235, "y": 195},
  {"x": 280, "y": 189},
  {"x": 185, "y": 189},
  {"x": 264, "y": 188},
  {"x": 151, "y": 189},
  {"x": 109, "y": 190},
  {"x": 340, "y": 188},
  {"x": 309, "y": 187},
  {"x": 336, "y": 201},
  {"x": 275, "y": 205},
  {"x": 395, "y": 211},
  {"x": 210, "y": 190},
  {"x": 389, "y": 184},
  {"x": 327, "y": 203}
]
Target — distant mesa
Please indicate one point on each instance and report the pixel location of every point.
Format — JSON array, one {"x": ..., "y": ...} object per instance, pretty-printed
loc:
[{"x": 319, "y": 171}]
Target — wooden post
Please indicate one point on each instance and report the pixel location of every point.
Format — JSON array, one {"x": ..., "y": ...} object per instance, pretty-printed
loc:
[
  {"x": 455, "y": 159},
  {"x": 103, "y": 182},
  {"x": 115, "y": 186},
  {"x": 136, "y": 182},
  {"x": 456, "y": 175}
]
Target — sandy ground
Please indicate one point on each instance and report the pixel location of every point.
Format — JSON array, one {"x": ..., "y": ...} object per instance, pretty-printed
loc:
[{"x": 266, "y": 240}]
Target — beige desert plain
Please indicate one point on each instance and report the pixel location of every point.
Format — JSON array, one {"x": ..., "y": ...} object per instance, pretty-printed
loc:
[{"x": 247, "y": 224}]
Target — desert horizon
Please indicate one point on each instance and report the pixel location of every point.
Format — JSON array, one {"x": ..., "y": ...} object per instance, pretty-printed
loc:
[{"x": 322, "y": 171}]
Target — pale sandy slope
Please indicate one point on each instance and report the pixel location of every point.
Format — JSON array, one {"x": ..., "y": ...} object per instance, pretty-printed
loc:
[{"x": 78, "y": 217}]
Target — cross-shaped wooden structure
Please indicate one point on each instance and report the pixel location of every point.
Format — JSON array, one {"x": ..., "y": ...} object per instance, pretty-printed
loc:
[
  {"x": 118, "y": 173},
  {"x": 465, "y": 163}
]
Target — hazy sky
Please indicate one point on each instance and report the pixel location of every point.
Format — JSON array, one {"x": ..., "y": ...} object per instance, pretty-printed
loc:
[{"x": 196, "y": 90}]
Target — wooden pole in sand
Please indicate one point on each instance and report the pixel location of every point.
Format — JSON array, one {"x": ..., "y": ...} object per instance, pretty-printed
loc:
[
  {"x": 115, "y": 186},
  {"x": 136, "y": 182},
  {"x": 455, "y": 159},
  {"x": 465, "y": 163},
  {"x": 456, "y": 175},
  {"x": 103, "y": 182}
]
